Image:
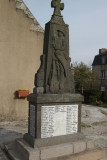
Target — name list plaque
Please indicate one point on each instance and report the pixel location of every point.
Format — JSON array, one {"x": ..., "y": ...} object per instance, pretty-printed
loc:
[{"x": 59, "y": 120}]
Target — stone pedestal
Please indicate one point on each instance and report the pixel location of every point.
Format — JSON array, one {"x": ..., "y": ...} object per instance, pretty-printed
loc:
[
  {"x": 54, "y": 123},
  {"x": 53, "y": 116}
]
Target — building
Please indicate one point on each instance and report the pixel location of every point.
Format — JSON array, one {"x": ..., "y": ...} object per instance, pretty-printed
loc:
[
  {"x": 100, "y": 67},
  {"x": 21, "y": 44}
]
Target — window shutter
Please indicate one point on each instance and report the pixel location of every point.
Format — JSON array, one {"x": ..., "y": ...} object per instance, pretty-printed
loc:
[{"x": 105, "y": 74}]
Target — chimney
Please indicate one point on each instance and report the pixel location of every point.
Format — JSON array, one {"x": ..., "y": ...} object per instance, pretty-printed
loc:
[{"x": 102, "y": 50}]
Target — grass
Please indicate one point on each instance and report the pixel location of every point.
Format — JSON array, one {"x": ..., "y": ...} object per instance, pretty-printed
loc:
[
  {"x": 99, "y": 123},
  {"x": 83, "y": 125}
]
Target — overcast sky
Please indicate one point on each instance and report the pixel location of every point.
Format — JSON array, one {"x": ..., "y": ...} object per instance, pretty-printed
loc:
[{"x": 87, "y": 20}]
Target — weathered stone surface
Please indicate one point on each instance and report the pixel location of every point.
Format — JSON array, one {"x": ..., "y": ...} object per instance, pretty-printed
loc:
[
  {"x": 55, "y": 74},
  {"x": 56, "y": 151},
  {"x": 65, "y": 151},
  {"x": 42, "y": 100},
  {"x": 96, "y": 154},
  {"x": 79, "y": 146},
  {"x": 54, "y": 82},
  {"x": 57, "y": 7},
  {"x": 26, "y": 150},
  {"x": 45, "y": 142},
  {"x": 52, "y": 98},
  {"x": 90, "y": 144}
]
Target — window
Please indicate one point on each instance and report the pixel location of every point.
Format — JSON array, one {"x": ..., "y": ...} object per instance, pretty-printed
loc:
[
  {"x": 103, "y": 60},
  {"x": 103, "y": 74}
]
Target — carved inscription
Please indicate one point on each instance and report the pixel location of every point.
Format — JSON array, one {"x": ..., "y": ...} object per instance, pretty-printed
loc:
[
  {"x": 32, "y": 120},
  {"x": 59, "y": 120}
]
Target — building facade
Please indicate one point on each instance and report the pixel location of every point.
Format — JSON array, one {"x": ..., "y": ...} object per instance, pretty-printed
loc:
[
  {"x": 21, "y": 44},
  {"x": 100, "y": 67}
]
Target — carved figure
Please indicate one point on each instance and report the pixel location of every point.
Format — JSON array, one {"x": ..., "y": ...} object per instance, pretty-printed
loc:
[{"x": 59, "y": 63}]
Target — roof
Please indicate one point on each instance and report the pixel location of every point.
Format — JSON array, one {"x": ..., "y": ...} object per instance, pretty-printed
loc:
[
  {"x": 35, "y": 26},
  {"x": 97, "y": 59}
]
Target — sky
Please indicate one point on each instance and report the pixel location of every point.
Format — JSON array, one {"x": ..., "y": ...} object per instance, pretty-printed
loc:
[{"x": 87, "y": 20}]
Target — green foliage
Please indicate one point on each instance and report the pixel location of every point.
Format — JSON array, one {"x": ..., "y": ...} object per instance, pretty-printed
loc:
[
  {"x": 92, "y": 99},
  {"x": 96, "y": 92},
  {"x": 99, "y": 103},
  {"x": 84, "y": 77},
  {"x": 92, "y": 96},
  {"x": 104, "y": 97}
]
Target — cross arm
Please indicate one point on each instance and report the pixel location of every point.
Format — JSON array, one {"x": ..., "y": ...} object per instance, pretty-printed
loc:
[{"x": 62, "y": 6}]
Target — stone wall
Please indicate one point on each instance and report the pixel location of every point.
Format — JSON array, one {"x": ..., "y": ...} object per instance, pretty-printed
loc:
[{"x": 21, "y": 44}]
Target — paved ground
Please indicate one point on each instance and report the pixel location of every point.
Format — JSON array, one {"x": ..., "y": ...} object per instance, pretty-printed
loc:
[
  {"x": 94, "y": 126},
  {"x": 2, "y": 155}
]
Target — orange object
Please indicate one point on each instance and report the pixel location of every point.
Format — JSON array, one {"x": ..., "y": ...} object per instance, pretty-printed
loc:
[{"x": 23, "y": 93}]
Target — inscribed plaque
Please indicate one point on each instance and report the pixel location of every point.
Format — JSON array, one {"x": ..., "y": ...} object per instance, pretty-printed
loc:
[{"x": 59, "y": 120}]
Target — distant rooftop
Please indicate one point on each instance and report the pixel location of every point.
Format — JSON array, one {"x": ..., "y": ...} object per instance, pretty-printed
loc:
[{"x": 98, "y": 58}]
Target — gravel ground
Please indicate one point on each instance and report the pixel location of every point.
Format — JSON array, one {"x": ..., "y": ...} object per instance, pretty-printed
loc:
[{"x": 94, "y": 126}]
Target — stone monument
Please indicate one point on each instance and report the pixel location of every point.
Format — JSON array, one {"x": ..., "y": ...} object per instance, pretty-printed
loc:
[
  {"x": 54, "y": 108},
  {"x": 54, "y": 124},
  {"x": 54, "y": 75}
]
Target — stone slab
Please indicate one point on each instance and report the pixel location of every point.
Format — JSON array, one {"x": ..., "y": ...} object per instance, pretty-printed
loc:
[
  {"x": 52, "y": 98},
  {"x": 90, "y": 144},
  {"x": 79, "y": 146},
  {"x": 15, "y": 155},
  {"x": 45, "y": 142},
  {"x": 9, "y": 145},
  {"x": 93, "y": 154},
  {"x": 56, "y": 151},
  {"x": 66, "y": 151},
  {"x": 26, "y": 150},
  {"x": 2, "y": 155}
]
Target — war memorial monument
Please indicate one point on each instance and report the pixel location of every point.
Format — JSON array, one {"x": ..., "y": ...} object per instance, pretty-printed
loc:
[
  {"x": 54, "y": 122},
  {"x": 54, "y": 108}
]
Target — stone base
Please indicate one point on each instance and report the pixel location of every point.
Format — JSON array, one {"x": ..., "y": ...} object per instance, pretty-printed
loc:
[
  {"x": 46, "y": 142},
  {"x": 36, "y": 104},
  {"x": 80, "y": 150}
]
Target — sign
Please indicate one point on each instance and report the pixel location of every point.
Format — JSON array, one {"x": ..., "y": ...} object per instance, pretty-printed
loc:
[
  {"x": 59, "y": 120},
  {"x": 102, "y": 89}
]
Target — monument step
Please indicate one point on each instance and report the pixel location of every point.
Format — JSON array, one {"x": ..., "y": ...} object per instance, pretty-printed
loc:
[
  {"x": 65, "y": 149},
  {"x": 93, "y": 154},
  {"x": 52, "y": 151},
  {"x": 15, "y": 155},
  {"x": 81, "y": 150},
  {"x": 26, "y": 150},
  {"x": 49, "y": 151}
]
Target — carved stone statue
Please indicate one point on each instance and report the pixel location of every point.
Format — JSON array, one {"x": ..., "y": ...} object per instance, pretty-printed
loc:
[
  {"x": 59, "y": 63},
  {"x": 55, "y": 74}
]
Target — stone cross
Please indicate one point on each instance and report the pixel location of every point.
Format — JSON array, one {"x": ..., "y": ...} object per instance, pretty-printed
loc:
[{"x": 57, "y": 7}]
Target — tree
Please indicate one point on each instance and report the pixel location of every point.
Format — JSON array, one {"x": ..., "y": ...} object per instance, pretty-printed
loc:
[{"x": 83, "y": 75}]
